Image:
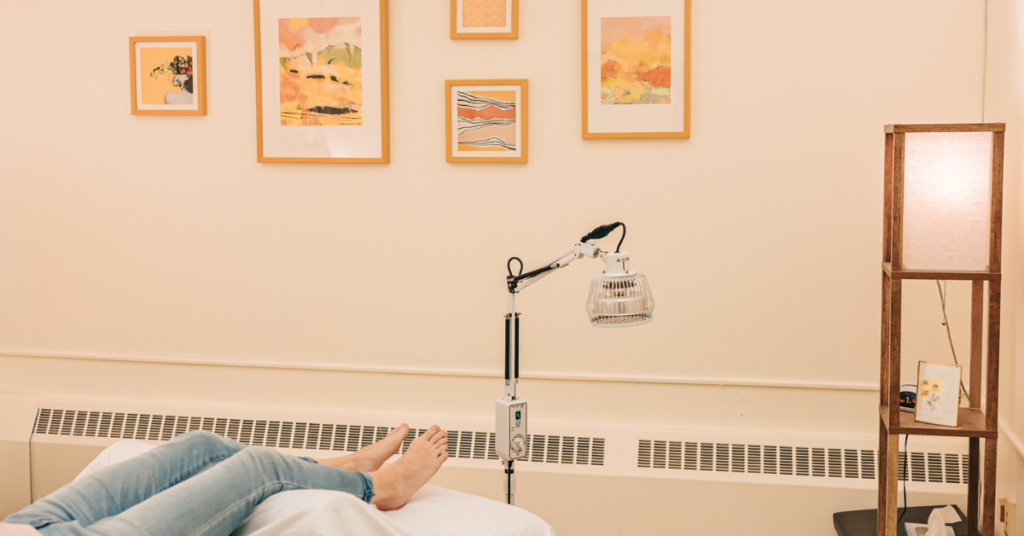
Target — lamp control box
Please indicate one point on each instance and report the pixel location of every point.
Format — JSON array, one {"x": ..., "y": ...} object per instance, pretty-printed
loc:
[{"x": 510, "y": 438}]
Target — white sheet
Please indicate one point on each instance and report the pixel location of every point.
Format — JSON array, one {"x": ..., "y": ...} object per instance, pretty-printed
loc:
[{"x": 433, "y": 511}]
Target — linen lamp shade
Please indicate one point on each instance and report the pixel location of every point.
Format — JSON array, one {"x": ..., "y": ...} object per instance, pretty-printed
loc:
[
  {"x": 947, "y": 200},
  {"x": 945, "y": 186}
]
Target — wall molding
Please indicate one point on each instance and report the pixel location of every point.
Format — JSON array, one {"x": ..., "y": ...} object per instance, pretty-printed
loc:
[
  {"x": 467, "y": 373},
  {"x": 1008, "y": 433}
]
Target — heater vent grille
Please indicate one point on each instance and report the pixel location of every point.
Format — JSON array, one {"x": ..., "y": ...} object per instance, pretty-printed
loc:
[
  {"x": 469, "y": 445},
  {"x": 566, "y": 449},
  {"x": 794, "y": 461}
]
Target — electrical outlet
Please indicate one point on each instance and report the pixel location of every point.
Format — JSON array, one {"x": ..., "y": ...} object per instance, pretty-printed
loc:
[{"x": 1008, "y": 515}]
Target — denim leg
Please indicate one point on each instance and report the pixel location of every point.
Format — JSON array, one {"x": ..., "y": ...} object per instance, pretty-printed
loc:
[
  {"x": 216, "y": 501},
  {"x": 114, "y": 489}
]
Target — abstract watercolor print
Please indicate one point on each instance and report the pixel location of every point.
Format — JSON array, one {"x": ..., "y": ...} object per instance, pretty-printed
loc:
[
  {"x": 321, "y": 63},
  {"x": 484, "y": 13},
  {"x": 636, "y": 55},
  {"x": 487, "y": 120}
]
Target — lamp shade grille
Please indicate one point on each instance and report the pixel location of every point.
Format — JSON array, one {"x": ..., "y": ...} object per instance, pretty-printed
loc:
[
  {"x": 620, "y": 300},
  {"x": 947, "y": 200}
]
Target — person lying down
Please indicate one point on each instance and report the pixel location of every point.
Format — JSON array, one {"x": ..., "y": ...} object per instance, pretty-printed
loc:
[{"x": 204, "y": 484}]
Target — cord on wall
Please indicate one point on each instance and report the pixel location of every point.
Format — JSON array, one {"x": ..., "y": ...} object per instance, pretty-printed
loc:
[
  {"x": 906, "y": 454},
  {"x": 949, "y": 334}
]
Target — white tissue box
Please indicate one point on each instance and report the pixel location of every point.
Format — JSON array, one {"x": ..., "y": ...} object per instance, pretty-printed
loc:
[{"x": 917, "y": 529}]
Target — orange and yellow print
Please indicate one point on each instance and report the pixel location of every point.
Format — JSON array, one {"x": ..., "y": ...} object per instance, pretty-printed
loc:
[
  {"x": 321, "y": 71},
  {"x": 636, "y": 54},
  {"x": 158, "y": 84},
  {"x": 484, "y": 13}
]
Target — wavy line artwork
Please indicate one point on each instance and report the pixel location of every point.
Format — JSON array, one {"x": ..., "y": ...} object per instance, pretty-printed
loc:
[
  {"x": 484, "y": 13},
  {"x": 487, "y": 120}
]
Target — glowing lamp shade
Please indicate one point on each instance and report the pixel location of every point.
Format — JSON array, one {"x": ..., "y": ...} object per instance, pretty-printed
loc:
[
  {"x": 947, "y": 200},
  {"x": 619, "y": 298}
]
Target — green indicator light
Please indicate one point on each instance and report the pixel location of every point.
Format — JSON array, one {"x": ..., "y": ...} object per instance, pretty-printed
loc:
[{"x": 518, "y": 415}]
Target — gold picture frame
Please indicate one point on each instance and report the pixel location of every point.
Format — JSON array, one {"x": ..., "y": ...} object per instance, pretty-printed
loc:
[
  {"x": 501, "y": 126},
  {"x": 511, "y": 8},
  {"x": 175, "y": 64},
  {"x": 934, "y": 382},
  {"x": 366, "y": 151},
  {"x": 625, "y": 127}
]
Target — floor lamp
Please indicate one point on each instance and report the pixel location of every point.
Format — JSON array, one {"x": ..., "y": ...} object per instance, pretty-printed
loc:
[{"x": 618, "y": 298}]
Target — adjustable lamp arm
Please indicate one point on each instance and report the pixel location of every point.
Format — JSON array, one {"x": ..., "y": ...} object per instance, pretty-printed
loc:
[{"x": 581, "y": 249}]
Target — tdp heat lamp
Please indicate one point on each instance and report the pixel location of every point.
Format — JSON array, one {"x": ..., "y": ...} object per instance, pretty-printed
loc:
[{"x": 618, "y": 298}]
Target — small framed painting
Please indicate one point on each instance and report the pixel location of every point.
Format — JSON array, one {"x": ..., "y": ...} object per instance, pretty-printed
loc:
[
  {"x": 485, "y": 19},
  {"x": 636, "y": 69},
  {"x": 168, "y": 75},
  {"x": 487, "y": 121},
  {"x": 938, "y": 393},
  {"x": 322, "y": 81}
]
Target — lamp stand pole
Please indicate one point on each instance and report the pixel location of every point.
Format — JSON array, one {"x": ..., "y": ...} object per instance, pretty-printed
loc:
[{"x": 511, "y": 379}]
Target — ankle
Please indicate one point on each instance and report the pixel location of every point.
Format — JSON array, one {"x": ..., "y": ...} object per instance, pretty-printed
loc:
[{"x": 385, "y": 486}]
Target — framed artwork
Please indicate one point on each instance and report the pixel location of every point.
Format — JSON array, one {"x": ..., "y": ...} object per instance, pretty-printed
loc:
[
  {"x": 168, "y": 75},
  {"x": 487, "y": 121},
  {"x": 938, "y": 393},
  {"x": 636, "y": 69},
  {"x": 485, "y": 19},
  {"x": 322, "y": 81}
]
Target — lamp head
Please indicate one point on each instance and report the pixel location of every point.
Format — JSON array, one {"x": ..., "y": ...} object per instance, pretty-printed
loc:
[{"x": 619, "y": 297}]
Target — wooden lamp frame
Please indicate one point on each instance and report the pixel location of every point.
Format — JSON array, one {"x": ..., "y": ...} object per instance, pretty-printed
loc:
[{"x": 974, "y": 422}]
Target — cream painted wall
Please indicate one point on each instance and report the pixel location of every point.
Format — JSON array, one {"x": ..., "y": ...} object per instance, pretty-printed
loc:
[
  {"x": 1004, "y": 101},
  {"x": 162, "y": 240}
]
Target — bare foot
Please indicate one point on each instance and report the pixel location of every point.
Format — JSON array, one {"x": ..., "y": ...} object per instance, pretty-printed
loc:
[
  {"x": 372, "y": 457},
  {"x": 395, "y": 484}
]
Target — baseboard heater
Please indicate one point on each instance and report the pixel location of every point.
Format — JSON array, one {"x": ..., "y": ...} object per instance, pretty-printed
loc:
[{"x": 934, "y": 466}]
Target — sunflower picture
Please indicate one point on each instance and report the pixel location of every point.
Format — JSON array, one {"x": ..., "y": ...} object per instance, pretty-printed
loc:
[{"x": 934, "y": 404}]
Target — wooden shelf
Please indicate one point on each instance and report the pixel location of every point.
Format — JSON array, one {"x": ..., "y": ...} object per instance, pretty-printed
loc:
[
  {"x": 972, "y": 424},
  {"x": 986, "y": 289},
  {"x": 948, "y": 275}
]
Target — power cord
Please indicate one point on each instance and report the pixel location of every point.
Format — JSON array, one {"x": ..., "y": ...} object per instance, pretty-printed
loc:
[
  {"x": 949, "y": 334},
  {"x": 906, "y": 454}
]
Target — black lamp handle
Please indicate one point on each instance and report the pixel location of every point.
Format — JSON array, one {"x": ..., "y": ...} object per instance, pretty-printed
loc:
[{"x": 604, "y": 231}]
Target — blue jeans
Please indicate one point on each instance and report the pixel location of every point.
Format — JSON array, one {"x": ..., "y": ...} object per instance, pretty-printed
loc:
[{"x": 196, "y": 484}]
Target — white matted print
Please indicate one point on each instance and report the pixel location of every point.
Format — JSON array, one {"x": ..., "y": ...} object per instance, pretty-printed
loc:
[
  {"x": 487, "y": 121},
  {"x": 485, "y": 19},
  {"x": 323, "y": 81},
  {"x": 636, "y": 69},
  {"x": 938, "y": 393},
  {"x": 168, "y": 75}
]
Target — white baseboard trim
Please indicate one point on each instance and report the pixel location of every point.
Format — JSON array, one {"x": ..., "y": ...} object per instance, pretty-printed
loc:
[{"x": 467, "y": 373}]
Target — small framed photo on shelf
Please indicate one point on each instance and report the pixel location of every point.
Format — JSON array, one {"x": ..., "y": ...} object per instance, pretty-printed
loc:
[
  {"x": 636, "y": 69},
  {"x": 487, "y": 121},
  {"x": 168, "y": 75},
  {"x": 485, "y": 19},
  {"x": 938, "y": 393}
]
